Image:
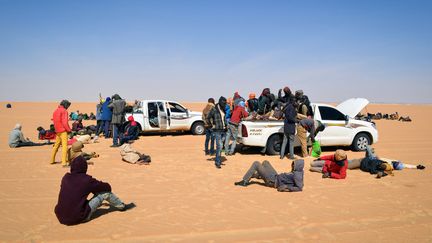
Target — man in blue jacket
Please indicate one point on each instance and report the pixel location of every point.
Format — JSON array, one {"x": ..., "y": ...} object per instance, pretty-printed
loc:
[{"x": 284, "y": 182}]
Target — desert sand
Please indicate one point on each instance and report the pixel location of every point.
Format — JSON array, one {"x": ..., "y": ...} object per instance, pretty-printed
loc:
[{"x": 182, "y": 197}]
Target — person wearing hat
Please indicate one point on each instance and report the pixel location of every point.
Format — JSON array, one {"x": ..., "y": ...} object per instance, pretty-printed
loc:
[
  {"x": 331, "y": 166},
  {"x": 216, "y": 118},
  {"x": 76, "y": 150},
  {"x": 304, "y": 106},
  {"x": 61, "y": 125},
  {"x": 72, "y": 206},
  {"x": 252, "y": 103},
  {"x": 131, "y": 131},
  {"x": 284, "y": 182}
]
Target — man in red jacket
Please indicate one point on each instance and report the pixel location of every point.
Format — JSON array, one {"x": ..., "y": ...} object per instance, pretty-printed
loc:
[
  {"x": 331, "y": 166},
  {"x": 72, "y": 206},
  {"x": 238, "y": 114},
  {"x": 61, "y": 125}
]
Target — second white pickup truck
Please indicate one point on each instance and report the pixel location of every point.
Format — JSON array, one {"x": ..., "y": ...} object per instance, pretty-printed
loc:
[
  {"x": 341, "y": 129},
  {"x": 166, "y": 116}
]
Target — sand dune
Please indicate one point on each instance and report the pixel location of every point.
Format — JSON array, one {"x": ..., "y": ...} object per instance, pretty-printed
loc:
[{"x": 182, "y": 197}]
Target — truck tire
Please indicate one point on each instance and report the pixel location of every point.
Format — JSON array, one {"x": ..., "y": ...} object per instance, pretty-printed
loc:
[
  {"x": 360, "y": 142},
  {"x": 274, "y": 144},
  {"x": 198, "y": 128}
]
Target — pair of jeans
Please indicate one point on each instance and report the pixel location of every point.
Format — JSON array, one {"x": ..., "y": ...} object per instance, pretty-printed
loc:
[
  {"x": 25, "y": 144},
  {"x": 97, "y": 200},
  {"x": 105, "y": 125},
  {"x": 291, "y": 138},
  {"x": 125, "y": 139},
  {"x": 356, "y": 163},
  {"x": 209, "y": 138},
  {"x": 232, "y": 133},
  {"x": 218, "y": 137},
  {"x": 61, "y": 139},
  {"x": 116, "y": 133},
  {"x": 264, "y": 170},
  {"x": 317, "y": 165}
]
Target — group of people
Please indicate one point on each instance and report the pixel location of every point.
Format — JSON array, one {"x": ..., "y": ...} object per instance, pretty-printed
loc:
[
  {"x": 332, "y": 166},
  {"x": 222, "y": 120}
]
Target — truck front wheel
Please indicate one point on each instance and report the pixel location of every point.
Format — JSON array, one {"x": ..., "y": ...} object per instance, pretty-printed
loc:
[
  {"x": 198, "y": 128},
  {"x": 360, "y": 142},
  {"x": 274, "y": 144}
]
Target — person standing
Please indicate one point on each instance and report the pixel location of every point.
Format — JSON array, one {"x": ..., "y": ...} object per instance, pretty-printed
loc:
[
  {"x": 62, "y": 128},
  {"x": 232, "y": 132},
  {"x": 106, "y": 116},
  {"x": 289, "y": 127},
  {"x": 308, "y": 125},
  {"x": 118, "y": 112},
  {"x": 208, "y": 132},
  {"x": 216, "y": 118}
]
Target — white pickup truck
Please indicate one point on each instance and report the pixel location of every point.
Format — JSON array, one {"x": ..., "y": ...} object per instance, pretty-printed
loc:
[
  {"x": 341, "y": 129},
  {"x": 166, "y": 116}
]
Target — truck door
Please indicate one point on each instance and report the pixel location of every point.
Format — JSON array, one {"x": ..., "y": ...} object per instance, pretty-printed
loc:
[
  {"x": 336, "y": 131},
  {"x": 162, "y": 116},
  {"x": 179, "y": 116}
]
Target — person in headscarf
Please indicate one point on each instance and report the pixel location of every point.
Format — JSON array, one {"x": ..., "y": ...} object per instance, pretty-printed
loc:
[
  {"x": 131, "y": 131},
  {"x": 252, "y": 103},
  {"x": 72, "y": 206},
  {"x": 17, "y": 139},
  {"x": 264, "y": 102}
]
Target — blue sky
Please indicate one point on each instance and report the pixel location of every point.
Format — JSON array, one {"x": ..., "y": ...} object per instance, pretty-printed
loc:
[{"x": 192, "y": 50}]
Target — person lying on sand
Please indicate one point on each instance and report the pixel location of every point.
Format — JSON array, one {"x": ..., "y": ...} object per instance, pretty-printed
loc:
[
  {"x": 72, "y": 206},
  {"x": 331, "y": 166},
  {"x": 132, "y": 156},
  {"x": 284, "y": 182},
  {"x": 379, "y": 166}
]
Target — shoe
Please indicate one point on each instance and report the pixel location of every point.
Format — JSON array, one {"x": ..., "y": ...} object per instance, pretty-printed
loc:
[
  {"x": 207, "y": 153},
  {"x": 127, "y": 206},
  {"x": 218, "y": 166},
  {"x": 420, "y": 167},
  {"x": 115, "y": 146},
  {"x": 241, "y": 183},
  {"x": 66, "y": 165}
]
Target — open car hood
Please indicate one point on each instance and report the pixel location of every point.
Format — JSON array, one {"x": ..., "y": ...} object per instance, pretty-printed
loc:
[{"x": 353, "y": 106}]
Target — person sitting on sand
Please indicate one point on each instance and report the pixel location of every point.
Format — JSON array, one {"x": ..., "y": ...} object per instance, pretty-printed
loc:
[
  {"x": 78, "y": 127},
  {"x": 379, "y": 166},
  {"x": 132, "y": 156},
  {"x": 76, "y": 150},
  {"x": 72, "y": 206},
  {"x": 284, "y": 182},
  {"x": 405, "y": 119},
  {"x": 331, "y": 166},
  {"x": 131, "y": 131},
  {"x": 17, "y": 139}
]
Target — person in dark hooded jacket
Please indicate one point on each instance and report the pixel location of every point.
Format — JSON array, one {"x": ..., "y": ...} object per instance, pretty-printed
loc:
[
  {"x": 284, "y": 182},
  {"x": 264, "y": 102},
  {"x": 72, "y": 206},
  {"x": 131, "y": 131},
  {"x": 216, "y": 119},
  {"x": 118, "y": 105}
]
